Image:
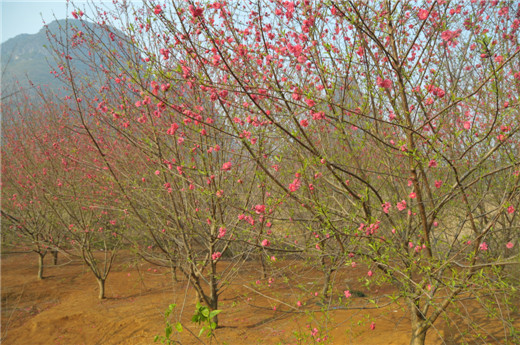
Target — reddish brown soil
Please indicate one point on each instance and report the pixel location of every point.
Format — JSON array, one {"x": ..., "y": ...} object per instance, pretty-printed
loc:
[{"x": 64, "y": 309}]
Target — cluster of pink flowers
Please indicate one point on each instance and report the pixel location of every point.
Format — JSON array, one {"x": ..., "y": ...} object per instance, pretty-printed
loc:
[
  {"x": 436, "y": 91},
  {"x": 226, "y": 166},
  {"x": 449, "y": 37},
  {"x": 401, "y": 205},
  {"x": 384, "y": 83},
  {"x": 295, "y": 185},
  {"x": 386, "y": 207},
  {"x": 221, "y": 232},
  {"x": 259, "y": 209},
  {"x": 216, "y": 256}
]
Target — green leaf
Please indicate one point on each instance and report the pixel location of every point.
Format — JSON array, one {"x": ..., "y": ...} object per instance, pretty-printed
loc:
[
  {"x": 214, "y": 313},
  {"x": 156, "y": 338},
  {"x": 178, "y": 327},
  {"x": 205, "y": 312}
]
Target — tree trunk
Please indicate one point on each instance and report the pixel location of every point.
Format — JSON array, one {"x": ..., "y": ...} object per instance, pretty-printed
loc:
[
  {"x": 175, "y": 279},
  {"x": 418, "y": 336},
  {"x": 419, "y": 326},
  {"x": 326, "y": 283},
  {"x": 101, "y": 283},
  {"x": 55, "y": 257},
  {"x": 214, "y": 292},
  {"x": 40, "y": 265},
  {"x": 214, "y": 306},
  {"x": 264, "y": 269}
]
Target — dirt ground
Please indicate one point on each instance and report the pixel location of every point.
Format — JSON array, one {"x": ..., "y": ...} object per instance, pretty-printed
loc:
[{"x": 64, "y": 308}]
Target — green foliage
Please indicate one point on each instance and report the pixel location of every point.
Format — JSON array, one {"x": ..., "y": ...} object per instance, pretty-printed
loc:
[
  {"x": 203, "y": 315},
  {"x": 168, "y": 330}
]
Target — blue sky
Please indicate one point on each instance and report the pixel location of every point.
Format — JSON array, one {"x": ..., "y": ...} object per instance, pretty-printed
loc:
[
  {"x": 25, "y": 17},
  {"x": 20, "y": 17}
]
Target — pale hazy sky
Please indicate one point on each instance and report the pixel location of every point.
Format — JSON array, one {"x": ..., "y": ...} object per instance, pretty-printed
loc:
[
  {"x": 21, "y": 17},
  {"x": 25, "y": 17}
]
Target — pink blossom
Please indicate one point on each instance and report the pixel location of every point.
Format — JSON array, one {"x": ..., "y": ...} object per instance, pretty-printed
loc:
[
  {"x": 450, "y": 36},
  {"x": 509, "y": 245},
  {"x": 226, "y": 166},
  {"x": 221, "y": 232},
  {"x": 503, "y": 11},
  {"x": 295, "y": 185},
  {"x": 266, "y": 243},
  {"x": 510, "y": 209},
  {"x": 373, "y": 326},
  {"x": 386, "y": 207},
  {"x": 483, "y": 246},
  {"x": 439, "y": 92},
  {"x": 157, "y": 9},
  {"x": 438, "y": 184},
  {"x": 173, "y": 129},
  {"x": 370, "y": 273},
  {"x": 216, "y": 255},
  {"x": 384, "y": 83},
  {"x": 304, "y": 123},
  {"x": 412, "y": 195},
  {"x": 310, "y": 102},
  {"x": 196, "y": 11},
  {"x": 318, "y": 116},
  {"x": 401, "y": 205},
  {"x": 260, "y": 209},
  {"x": 432, "y": 164},
  {"x": 423, "y": 14},
  {"x": 347, "y": 293}
]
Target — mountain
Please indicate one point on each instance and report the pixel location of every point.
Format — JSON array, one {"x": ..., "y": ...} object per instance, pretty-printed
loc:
[{"x": 26, "y": 60}]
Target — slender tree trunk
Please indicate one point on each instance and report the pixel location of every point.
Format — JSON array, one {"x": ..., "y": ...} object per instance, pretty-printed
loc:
[
  {"x": 175, "y": 279},
  {"x": 328, "y": 273},
  {"x": 214, "y": 292},
  {"x": 418, "y": 336},
  {"x": 419, "y": 327},
  {"x": 40, "y": 265},
  {"x": 55, "y": 257},
  {"x": 214, "y": 306},
  {"x": 326, "y": 283},
  {"x": 264, "y": 269},
  {"x": 101, "y": 283}
]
